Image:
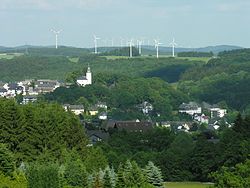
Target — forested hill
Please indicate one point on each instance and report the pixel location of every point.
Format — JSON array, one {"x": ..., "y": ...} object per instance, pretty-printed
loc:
[
  {"x": 59, "y": 67},
  {"x": 224, "y": 79},
  {"x": 46, "y": 51}
]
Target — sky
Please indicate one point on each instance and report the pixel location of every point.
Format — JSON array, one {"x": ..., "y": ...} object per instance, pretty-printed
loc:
[{"x": 193, "y": 23}]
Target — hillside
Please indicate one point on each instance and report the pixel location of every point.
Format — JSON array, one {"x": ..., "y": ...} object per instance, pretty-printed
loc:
[
  {"x": 225, "y": 79},
  {"x": 53, "y": 67}
]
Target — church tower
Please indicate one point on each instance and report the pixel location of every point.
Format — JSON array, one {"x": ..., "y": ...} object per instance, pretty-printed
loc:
[{"x": 89, "y": 76}]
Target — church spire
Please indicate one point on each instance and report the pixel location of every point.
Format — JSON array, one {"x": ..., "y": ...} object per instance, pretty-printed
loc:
[{"x": 88, "y": 69}]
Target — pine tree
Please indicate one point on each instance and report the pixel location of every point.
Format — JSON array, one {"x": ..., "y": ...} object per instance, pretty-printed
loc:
[
  {"x": 12, "y": 124},
  {"x": 120, "y": 177},
  {"x": 109, "y": 178},
  {"x": 153, "y": 174},
  {"x": 6, "y": 161},
  {"x": 98, "y": 181}
]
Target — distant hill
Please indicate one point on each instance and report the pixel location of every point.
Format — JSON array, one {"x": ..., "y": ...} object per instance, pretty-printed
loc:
[
  {"x": 73, "y": 51},
  {"x": 46, "y": 50},
  {"x": 168, "y": 50}
]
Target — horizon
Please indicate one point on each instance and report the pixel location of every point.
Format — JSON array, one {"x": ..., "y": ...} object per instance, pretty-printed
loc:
[{"x": 192, "y": 23}]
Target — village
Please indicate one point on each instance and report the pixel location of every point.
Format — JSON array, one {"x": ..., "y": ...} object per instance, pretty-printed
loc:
[{"x": 203, "y": 115}]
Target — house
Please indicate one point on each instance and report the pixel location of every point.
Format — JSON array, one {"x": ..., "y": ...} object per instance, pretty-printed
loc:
[
  {"x": 13, "y": 89},
  {"x": 46, "y": 86},
  {"x": 218, "y": 122},
  {"x": 191, "y": 108},
  {"x": 102, "y": 105},
  {"x": 177, "y": 125},
  {"x": 85, "y": 80},
  {"x": 29, "y": 99},
  {"x": 218, "y": 112},
  {"x": 93, "y": 110},
  {"x": 76, "y": 109},
  {"x": 103, "y": 116},
  {"x": 129, "y": 126},
  {"x": 3, "y": 92},
  {"x": 202, "y": 118},
  {"x": 97, "y": 136},
  {"x": 32, "y": 91},
  {"x": 146, "y": 107}
]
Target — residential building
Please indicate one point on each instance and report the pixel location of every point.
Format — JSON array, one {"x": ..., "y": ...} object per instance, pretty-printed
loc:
[
  {"x": 29, "y": 99},
  {"x": 97, "y": 136},
  {"x": 46, "y": 86},
  {"x": 130, "y": 126},
  {"x": 191, "y": 108},
  {"x": 103, "y": 116},
  {"x": 218, "y": 112},
  {"x": 146, "y": 107},
  {"x": 3, "y": 92},
  {"x": 76, "y": 109}
]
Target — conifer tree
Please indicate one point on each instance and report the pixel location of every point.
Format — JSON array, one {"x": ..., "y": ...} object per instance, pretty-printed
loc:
[
  {"x": 154, "y": 175},
  {"x": 109, "y": 178},
  {"x": 6, "y": 161},
  {"x": 120, "y": 177}
]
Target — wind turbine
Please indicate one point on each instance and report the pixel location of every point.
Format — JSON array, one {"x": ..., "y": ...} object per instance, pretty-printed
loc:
[
  {"x": 131, "y": 48},
  {"x": 121, "y": 39},
  {"x": 56, "y": 34},
  {"x": 140, "y": 42},
  {"x": 173, "y": 44},
  {"x": 95, "y": 42},
  {"x": 157, "y": 44}
]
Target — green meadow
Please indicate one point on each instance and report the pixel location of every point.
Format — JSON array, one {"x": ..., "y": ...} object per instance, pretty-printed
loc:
[{"x": 188, "y": 185}]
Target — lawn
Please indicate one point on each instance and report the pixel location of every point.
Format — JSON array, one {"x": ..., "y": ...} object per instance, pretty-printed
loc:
[
  {"x": 188, "y": 185},
  {"x": 9, "y": 56}
]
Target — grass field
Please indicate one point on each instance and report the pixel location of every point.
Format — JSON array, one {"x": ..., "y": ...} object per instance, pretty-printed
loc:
[
  {"x": 204, "y": 59},
  {"x": 188, "y": 185},
  {"x": 73, "y": 59},
  {"x": 9, "y": 56}
]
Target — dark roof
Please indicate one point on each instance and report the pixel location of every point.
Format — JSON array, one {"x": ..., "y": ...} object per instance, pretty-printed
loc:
[
  {"x": 131, "y": 125},
  {"x": 12, "y": 86},
  {"x": 98, "y": 133},
  {"x": 2, "y": 89},
  {"x": 103, "y": 114},
  {"x": 48, "y": 85},
  {"x": 76, "y": 107},
  {"x": 82, "y": 78},
  {"x": 29, "y": 97},
  {"x": 189, "y": 106}
]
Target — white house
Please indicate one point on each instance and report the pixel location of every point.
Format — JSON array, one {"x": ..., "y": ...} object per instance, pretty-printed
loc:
[
  {"x": 103, "y": 116},
  {"x": 85, "y": 80},
  {"x": 29, "y": 99},
  {"x": 201, "y": 118},
  {"x": 76, "y": 109},
  {"x": 191, "y": 108},
  {"x": 102, "y": 105},
  {"x": 218, "y": 112}
]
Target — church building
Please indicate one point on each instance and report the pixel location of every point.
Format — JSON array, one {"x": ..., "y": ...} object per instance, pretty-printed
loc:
[{"x": 85, "y": 80}]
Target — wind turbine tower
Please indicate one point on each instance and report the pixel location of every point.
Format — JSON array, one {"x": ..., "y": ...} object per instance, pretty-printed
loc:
[
  {"x": 173, "y": 44},
  {"x": 95, "y": 42},
  {"x": 157, "y": 44},
  {"x": 56, "y": 34},
  {"x": 131, "y": 48},
  {"x": 140, "y": 43}
]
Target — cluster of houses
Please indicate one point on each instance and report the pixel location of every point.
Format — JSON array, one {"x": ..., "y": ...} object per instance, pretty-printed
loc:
[
  {"x": 213, "y": 116},
  {"x": 99, "y": 109},
  {"x": 30, "y": 89}
]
